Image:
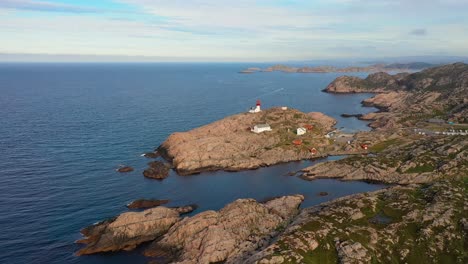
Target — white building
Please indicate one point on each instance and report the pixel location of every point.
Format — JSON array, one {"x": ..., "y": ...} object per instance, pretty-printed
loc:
[
  {"x": 261, "y": 128},
  {"x": 301, "y": 131}
]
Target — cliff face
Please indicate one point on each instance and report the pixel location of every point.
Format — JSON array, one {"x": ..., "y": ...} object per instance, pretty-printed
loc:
[{"x": 228, "y": 144}]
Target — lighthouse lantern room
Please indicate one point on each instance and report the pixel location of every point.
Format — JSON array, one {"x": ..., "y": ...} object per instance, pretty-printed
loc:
[{"x": 257, "y": 108}]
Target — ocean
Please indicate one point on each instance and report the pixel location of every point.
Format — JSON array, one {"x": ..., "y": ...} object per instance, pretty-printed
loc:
[{"x": 65, "y": 128}]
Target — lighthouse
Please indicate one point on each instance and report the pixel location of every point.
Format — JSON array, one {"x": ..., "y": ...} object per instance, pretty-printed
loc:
[{"x": 257, "y": 107}]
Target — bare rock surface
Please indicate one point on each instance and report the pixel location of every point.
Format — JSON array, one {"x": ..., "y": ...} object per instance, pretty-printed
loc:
[
  {"x": 127, "y": 230},
  {"x": 408, "y": 98},
  {"x": 125, "y": 169},
  {"x": 151, "y": 155},
  {"x": 228, "y": 144},
  {"x": 144, "y": 203},
  {"x": 230, "y": 235},
  {"x": 401, "y": 160}
]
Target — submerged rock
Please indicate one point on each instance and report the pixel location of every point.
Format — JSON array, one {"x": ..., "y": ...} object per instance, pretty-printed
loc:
[
  {"x": 143, "y": 203},
  {"x": 351, "y": 115},
  {"x": 228, "y": 236},
  {"x": 157, "y": 170},
  {"x": 151, "y": 155},
  {"x": 125, "y": 169},
  {"x": 127, "y": 230}
]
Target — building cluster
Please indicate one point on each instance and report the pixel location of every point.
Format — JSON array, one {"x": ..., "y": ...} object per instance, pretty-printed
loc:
[
  {"x": 451, "y": 132},
  {"x": 260, "y": 128}
]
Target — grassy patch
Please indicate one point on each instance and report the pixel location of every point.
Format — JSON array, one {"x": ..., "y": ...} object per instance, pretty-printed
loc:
[
  {"x": 312, "y": 226},
  {"x": 421, "y": 168},
  {"x": 381, "y": 146},
  {"x": 325, "y": 253}
]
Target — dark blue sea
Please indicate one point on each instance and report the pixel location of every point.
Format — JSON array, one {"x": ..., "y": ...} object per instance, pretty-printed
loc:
[{"x": 65, "y": 128}]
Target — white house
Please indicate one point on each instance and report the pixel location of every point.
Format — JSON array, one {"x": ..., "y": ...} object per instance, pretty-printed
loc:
[
  {"x": 261, "y": 128},
  {"x": 301, "y": 131}
]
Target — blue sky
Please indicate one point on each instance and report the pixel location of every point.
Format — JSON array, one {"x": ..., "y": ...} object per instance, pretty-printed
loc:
[{"x": 222, "y": 30}]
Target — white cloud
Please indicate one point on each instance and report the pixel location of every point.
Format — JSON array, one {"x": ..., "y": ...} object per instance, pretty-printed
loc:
[
  {"x": 44, "y": 6},
  {"x": 240, "y": 30}
]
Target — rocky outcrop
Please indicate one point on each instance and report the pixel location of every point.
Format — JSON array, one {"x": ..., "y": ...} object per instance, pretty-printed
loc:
[
  {"x": 412, "y": 224},
  {"x": 151, "y": 155},
  {"x": 438, "y": 92},
  {"x": 371, "y": 172},
  {"x": 229, "y": 144},
  {"x": 325, "y": 121},
  {"x": 185, "y": 209},
  {"x": 250, "y": 70},
  {"x": 144, "y": 204},
  {"x": 375, "y": 83},
  {"x": 125, "y": 169},
  {"x": 386, "y": 101},
  {"x": 127, "y": 230},
  {"x": 345, "y": 115},
  {"x": 157, "y": 170},
  {"x": 401, "y": 160},
  {"x": 230, "y": 235}
]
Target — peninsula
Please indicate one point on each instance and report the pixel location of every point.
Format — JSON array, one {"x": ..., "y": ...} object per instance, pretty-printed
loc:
[{"x": 231, "y": 143}]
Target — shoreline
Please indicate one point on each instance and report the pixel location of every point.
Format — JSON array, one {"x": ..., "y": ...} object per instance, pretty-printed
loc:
[{"x": 396, "y": 157}]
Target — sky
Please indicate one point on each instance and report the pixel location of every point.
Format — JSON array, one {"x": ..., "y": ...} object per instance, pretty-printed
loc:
[{"x": 226, "y": 30}]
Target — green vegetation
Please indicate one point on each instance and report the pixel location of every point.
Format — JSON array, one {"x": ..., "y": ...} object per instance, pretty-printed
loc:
[
  {"x": 324, "y": 254},
  {"x": 405, "y": 239},
  {"x": 381, "y": 146},
  {"x": 421, "y": 168}
]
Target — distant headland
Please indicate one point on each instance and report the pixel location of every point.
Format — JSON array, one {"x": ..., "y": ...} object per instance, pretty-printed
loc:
[{"x": 394, "y": 67}]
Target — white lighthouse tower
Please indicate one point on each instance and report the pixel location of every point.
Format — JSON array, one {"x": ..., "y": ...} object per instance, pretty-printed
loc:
[{"x": 257, "y": 108}]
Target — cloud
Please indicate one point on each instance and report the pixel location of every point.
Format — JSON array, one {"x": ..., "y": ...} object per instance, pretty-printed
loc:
[
  {"x": 228, "y": 15},
  {"x": 29, "y": 5},
  {"x": 238, "y": 30},
  {"x": 418, "y": 32}
]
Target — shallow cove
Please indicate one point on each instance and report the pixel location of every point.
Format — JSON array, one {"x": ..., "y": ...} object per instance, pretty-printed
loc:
[{"x": 66, "y": 128}]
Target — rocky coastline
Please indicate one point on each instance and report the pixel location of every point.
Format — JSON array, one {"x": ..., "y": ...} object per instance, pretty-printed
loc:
[
  {"x": 230, "y": 235},
  {"x": 420, "y": 218}
]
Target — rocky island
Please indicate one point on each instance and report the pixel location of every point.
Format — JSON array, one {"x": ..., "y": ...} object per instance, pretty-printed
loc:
[{"x": 419, "y": 145}]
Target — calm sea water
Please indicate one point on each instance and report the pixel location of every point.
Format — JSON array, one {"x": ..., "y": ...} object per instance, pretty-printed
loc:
[{"x": 66, "y": 127}]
